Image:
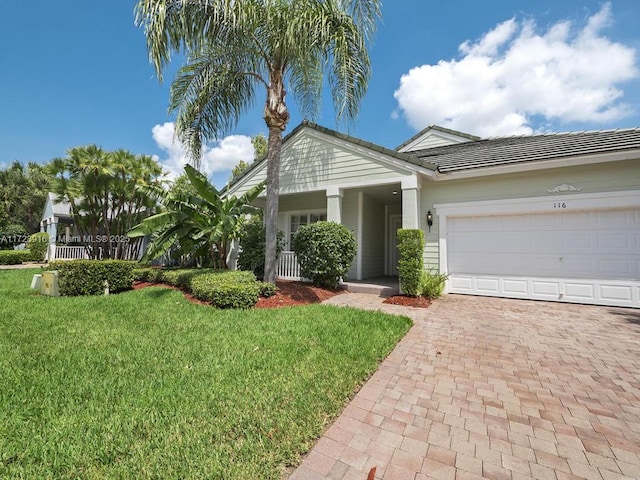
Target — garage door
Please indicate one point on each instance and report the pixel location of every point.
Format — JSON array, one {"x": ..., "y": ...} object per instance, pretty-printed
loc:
[{"x": 581, "y": 256}]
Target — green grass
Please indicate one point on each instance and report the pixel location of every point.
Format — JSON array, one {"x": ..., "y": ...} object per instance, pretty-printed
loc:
[{"x": 144, "y": 384}]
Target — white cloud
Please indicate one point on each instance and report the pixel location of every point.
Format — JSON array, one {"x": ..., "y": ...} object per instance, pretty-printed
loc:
[
  {"x": 221, "y": 157},
  {"x": 513, "y": 73}
]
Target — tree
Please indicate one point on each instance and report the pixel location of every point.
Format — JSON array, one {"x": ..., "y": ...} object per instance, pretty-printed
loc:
[
  {"x": 235, "y": 48},
  {"x": 23, "y": 194},
  {"x": 101, "y": 188},
  {"x": 201, "y": 222}
]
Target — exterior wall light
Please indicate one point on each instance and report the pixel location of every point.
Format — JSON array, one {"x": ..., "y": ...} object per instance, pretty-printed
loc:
[{"x": 429, "y": 219}]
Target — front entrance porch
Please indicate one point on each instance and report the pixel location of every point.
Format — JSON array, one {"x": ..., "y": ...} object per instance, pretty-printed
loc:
[
  {"x": 381, "y": 286},
  {"x": 373, "y": 213}
]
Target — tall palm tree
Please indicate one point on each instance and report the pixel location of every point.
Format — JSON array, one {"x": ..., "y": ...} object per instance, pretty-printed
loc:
[{"x": 234, "y": 48}]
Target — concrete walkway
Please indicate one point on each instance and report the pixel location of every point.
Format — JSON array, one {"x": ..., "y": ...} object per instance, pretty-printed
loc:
[{"x": 497, "y": 389}]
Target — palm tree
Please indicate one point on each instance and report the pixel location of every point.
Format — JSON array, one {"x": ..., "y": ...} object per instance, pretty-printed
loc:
[{"x": 234, "y": 48}]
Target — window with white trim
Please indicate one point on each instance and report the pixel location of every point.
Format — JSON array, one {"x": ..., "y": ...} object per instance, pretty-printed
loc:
[{"x": 296, "y": 221}]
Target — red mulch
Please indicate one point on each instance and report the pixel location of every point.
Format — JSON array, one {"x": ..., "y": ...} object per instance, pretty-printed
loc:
[
  {"x": 289, "y": 293},
  {"x": 296, "y": 293},
  {"x": 420, "y": 302}
]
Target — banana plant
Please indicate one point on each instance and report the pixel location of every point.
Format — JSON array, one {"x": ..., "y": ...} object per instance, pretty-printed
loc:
[{"x": 201, "y": 223}]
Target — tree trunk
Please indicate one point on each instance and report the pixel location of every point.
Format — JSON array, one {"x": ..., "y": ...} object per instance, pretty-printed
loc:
[
  {"x": 271, "y": 213},
  {"x": 276, "y": 116}
]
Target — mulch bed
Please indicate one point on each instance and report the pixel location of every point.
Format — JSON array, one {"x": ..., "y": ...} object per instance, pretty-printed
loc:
[
  {"x": 288, "y": 294},
  {"x": 297, "y": 293},
  {"x": 419, "y": 302}
]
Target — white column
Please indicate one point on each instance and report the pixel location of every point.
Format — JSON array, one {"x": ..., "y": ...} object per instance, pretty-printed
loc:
[
  {"x": 334, "y": 204},
  {"x": 52, "y": 230},
  {"x": 411, "y": 202}
]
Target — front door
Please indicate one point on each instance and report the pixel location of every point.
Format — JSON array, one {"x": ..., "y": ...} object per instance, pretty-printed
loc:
[{"x": 395, "y": 222}]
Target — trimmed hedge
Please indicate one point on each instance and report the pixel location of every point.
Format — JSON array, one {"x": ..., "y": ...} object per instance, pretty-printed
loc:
[
  {"x": 87, "y": 277},
  {"x": 221, "y": 288},
  {"x": 38, "y": 244},
  {"x": 14, "y": 257},
  {"x": 231, "y": 289},
  {"x": 325, "y": 251},
  {"x": 411, "y": 263}
]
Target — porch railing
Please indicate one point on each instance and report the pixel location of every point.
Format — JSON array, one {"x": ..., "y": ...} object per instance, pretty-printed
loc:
[
  {"x": 288, "y": 268},
  {"x": 64, "y": 252}
]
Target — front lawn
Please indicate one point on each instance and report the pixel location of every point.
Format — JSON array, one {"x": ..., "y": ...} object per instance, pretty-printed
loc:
[{"x": 145, "y": 384}]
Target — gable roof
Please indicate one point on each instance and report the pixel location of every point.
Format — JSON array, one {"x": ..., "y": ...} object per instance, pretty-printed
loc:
[
  {"x": 406, "y": 157},
  {"x": 462, "y": 137},
  {"x": 494, "y": 152},
  {"x": 60, "y": 209}
]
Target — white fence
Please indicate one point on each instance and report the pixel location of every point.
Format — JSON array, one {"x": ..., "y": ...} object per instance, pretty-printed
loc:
[
  {"x": 288, "y": 268},
  {"x": 63, "y": 252}
]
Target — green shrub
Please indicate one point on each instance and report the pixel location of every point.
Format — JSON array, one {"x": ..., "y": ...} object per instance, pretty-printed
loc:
[
  {"x": 411, "y": 263},
  {"x": 14, "y": 257},
  {"x": 325, "y": 251},
  {"x": 87, "y": 277},
  {"x": 252, "y": 240},
  {"x": 141, "y": 274},
  {"x": 228, "y": 289},
  {"x": 432, "y": 283},
  {"x": 267, "y": 289},
  {"x": 38, "y": 244}
]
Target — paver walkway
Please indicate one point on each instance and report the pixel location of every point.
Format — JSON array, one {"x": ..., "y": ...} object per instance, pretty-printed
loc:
[{"x": 494, "y": 388}]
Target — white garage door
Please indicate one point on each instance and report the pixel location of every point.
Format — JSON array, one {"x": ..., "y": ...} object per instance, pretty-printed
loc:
[{"x": 582, "y": 257}]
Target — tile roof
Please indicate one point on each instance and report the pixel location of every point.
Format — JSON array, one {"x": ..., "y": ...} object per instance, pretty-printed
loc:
[{"x": 493, "y": 152}]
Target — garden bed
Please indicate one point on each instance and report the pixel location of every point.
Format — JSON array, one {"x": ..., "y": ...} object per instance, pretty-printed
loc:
[
  {"x": 289, "y": 294},
  {"x": 405, "y": 301}
]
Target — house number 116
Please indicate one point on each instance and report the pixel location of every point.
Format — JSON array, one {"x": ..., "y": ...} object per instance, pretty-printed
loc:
[{"x": 559, "y": 205}]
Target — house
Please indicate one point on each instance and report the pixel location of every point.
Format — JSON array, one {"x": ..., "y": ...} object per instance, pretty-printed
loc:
[
  {"x": 58, "y": 223},
  {"x": 65, "y": 240},
  {"x": 546, "y": 217}
]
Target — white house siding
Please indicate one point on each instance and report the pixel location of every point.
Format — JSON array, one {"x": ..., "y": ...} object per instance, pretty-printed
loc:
[
  {"x": 431, "y": 141},
  {"x": 310, "y": 162},
  {"x": 373, "y": 236}
]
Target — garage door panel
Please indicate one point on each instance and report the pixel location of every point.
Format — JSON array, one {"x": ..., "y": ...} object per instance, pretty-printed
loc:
[{"x": 587, "y": 257}]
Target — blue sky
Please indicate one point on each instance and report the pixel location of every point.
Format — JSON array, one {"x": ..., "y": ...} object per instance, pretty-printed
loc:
[{"x": 76, "y": 72}]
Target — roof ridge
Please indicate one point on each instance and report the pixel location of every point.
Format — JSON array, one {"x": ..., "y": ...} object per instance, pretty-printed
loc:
[{"x": 570, "y": 132}]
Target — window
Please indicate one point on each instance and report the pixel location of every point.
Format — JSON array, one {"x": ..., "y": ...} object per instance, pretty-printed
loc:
[{"x": 296, "y": 221}]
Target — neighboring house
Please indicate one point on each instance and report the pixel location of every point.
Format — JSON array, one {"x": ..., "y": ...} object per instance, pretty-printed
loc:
[
  {"x": 65, "y": 242},
  {"x": 58, "y": 223},
  {"x": 546, "y": 217}
]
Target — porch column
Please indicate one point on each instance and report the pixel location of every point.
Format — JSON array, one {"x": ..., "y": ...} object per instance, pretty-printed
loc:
[
  {"x": 334, "y": 204},
  {"x": 52, "y": 230},
  {"x": 411, "y": 202}
]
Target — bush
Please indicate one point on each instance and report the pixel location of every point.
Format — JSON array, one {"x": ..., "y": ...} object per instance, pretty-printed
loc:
[
  {"x": 432, "y": 283},
  {"x": 325, "y": 251},
  {"x": 267, "y": 289},
  {"x": 411, "y": 263},
  {"x": 87, "y": 277},
  {"x": 221, "y": 288},
  {"x": 38, "y": 244},
  {"x": 14, "y": 257},
  {"x": 252, "y": 240},
  {"x": 227, "y": 289}
]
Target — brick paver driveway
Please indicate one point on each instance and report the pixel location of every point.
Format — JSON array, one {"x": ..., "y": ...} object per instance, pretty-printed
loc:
[{"x": 499, "y": 389}]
